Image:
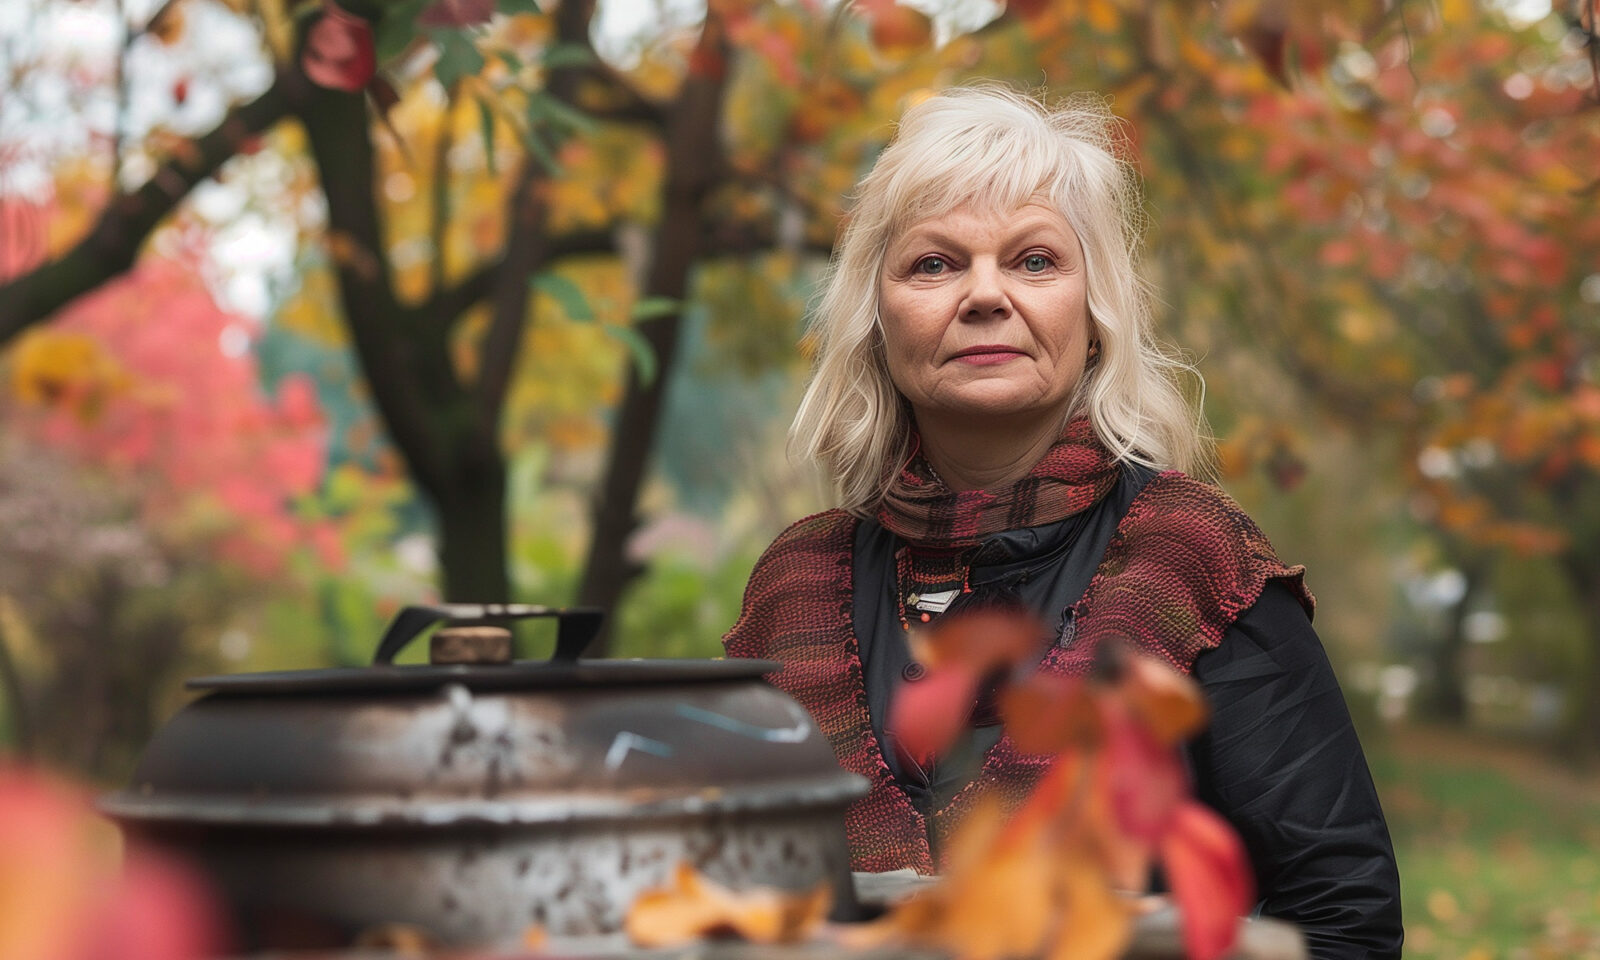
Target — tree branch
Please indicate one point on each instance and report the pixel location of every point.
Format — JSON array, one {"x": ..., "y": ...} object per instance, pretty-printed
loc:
[
  {"x": 526, "y": 246},
  {"x": 410, "y": 377},
  {"x": 525, "y": 254},
  {"x": 439, "y": 223},
  {"x": 625, "y": 103},
  {"x": 446, "y": 306},
  {"x": 112, "y": 244}
]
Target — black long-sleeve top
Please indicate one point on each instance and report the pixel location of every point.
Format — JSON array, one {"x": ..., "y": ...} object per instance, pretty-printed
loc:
[{"x": 1279, "y": 759}]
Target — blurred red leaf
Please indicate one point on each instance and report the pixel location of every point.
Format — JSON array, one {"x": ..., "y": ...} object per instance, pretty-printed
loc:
[
  {"x": 456, "y": 13},
  {"x": 984, "y": 640},
  {"x": 339, "y": 52},
  {"x": 62, "y": 896},
  {"x": 1268, "y": 44},
  {"x": 897, "y": 29},
  {"x": 160, "y": 911},
  {"x": 1145, "y": 776},
  {"x": 1211, "y": 879},
  {"x": 927, "y": 714}
]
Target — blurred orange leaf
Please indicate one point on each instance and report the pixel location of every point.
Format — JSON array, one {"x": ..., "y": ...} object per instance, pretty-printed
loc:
[
  {"x": 996, "y": 898},
  {"x": 692, "y": 907},
  {"x": 1045, "y": 713},
  {"x": 1168, "y": 704}
]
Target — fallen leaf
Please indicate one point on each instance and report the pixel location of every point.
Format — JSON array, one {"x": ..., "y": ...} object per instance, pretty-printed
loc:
[
  {"x": 405, "y": 939},
  {"x": 692, "y": 908}
]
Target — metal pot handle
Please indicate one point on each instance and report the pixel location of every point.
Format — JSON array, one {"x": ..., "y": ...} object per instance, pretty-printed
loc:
[{"x": 577, "y": 626}]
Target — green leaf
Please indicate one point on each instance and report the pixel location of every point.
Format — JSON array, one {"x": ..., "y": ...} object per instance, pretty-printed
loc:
[
  {"x": 486, "y": 124},
  {"x": 568, "y": 55},
  {"x": 543, "y": 107},
  {"x": 517, "y": 6},
  {"x": 644, "y": 355},
  {"x": 397, "y": 28},
  {"x": 566, "y": 293},
  {"x": 458, "y": 57},
  {"x": 511, "y": 60},
  {"x": 650, "y": 308},
  {"x": 541, "y": 152}
]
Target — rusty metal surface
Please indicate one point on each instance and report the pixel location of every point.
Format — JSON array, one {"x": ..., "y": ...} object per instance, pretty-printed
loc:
[
  {"x": 1156, "y": 937},
  {"x": 455, "y": 755},
  {"x": 476, "y": 813},
  {"x": 488, "y": 886}
]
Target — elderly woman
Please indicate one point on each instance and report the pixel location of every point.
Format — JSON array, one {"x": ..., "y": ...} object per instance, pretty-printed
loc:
[{"x": 1002, "y": 427}]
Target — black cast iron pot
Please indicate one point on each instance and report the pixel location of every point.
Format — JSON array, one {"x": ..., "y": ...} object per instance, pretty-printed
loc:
[{"x": 476, "y": 799}]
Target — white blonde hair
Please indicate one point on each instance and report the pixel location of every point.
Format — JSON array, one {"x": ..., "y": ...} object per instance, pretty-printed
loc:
[{"x": 992, "y": 148}]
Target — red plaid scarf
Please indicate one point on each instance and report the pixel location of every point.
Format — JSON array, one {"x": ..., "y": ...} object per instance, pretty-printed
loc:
[
  {"x": 1184, "y": 564},
  {"x": 1073, "y": 475}
]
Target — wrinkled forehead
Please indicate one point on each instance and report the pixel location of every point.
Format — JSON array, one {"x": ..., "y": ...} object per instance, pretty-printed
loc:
[{"x": 930, "y": 198}]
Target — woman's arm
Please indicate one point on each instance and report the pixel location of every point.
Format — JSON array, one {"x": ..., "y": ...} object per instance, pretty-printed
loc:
[{"x": 1281, "y": 761}]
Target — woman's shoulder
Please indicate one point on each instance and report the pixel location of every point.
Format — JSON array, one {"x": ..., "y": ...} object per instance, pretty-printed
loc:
[
  {"x": 1186, "y": 561},
  {"x": 1201, "y": 516},
  {"x": 800, "y": 576},
  {"x": 824, "y": 535}
]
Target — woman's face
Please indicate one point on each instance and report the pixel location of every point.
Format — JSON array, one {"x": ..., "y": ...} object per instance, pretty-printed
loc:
[{"x": 985, "y": 315}]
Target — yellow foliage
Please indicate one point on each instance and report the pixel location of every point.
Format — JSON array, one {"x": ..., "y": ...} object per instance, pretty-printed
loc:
[
  {"x": 612, "y": 174},
  {"x": 1102, "y": 15},
  {"x": 51, "y": 367},
  {"x": 278, "y": 26},
  {"x": 313, "y": 312}
]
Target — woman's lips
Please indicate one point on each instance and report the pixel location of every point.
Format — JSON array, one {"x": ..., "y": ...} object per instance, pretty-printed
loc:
[{"x": 987, "y": 355}]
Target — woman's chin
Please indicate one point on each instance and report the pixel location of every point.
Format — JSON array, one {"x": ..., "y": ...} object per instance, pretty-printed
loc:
[{"x": 993, "y": 409}]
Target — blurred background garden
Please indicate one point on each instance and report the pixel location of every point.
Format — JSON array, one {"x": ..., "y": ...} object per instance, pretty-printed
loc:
[{"x": 310, "y": 310}]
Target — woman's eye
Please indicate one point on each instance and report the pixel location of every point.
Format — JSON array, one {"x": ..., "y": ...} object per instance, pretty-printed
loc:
[
  {"x": 931, "y": 265},
  {"x": 1036, "y": 263}
]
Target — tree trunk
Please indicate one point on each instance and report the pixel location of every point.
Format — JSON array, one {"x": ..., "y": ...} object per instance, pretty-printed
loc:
[
  {"x": 472, "y": 536},
  {"x": 693, "y": 162},
  {"x": 1583, "y": 740},
  {"x": 1449, "y": 681}
]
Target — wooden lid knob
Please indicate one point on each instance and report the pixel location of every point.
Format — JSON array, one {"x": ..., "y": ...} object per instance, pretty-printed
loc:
[{"x": 476, "y": 645}]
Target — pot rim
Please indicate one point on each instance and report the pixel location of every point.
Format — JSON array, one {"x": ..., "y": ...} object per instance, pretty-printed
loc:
[
  {"x": 567, "y": 808},
  {"x": 518, "y": 675}
]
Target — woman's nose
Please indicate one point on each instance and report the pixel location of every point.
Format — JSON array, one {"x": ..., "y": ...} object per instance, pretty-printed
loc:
[{"x": 986, "y": 296}]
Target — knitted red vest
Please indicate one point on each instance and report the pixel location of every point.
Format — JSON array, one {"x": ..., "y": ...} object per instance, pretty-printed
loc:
[{"x": 1184, "y": 563}]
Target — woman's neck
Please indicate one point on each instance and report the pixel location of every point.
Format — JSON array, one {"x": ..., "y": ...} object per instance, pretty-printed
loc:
[{"x": 984, "y": 455}]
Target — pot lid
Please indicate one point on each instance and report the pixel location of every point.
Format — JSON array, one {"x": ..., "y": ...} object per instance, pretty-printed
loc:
[
  {"x": 518, "y": 675},
  {"x": 477, "y": 649}
]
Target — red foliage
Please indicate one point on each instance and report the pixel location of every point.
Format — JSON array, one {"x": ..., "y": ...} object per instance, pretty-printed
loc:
[
  {"x": 1115, "y": 796},
  {"x": 339, "y": 52},
  {"x": 456, "y": 13},
  {"x": 1210, "y": 877},
  {"x": 63, "y": 895},
  {"x": 176, "y": 407},
  {"x": 927, "y": 715}
]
